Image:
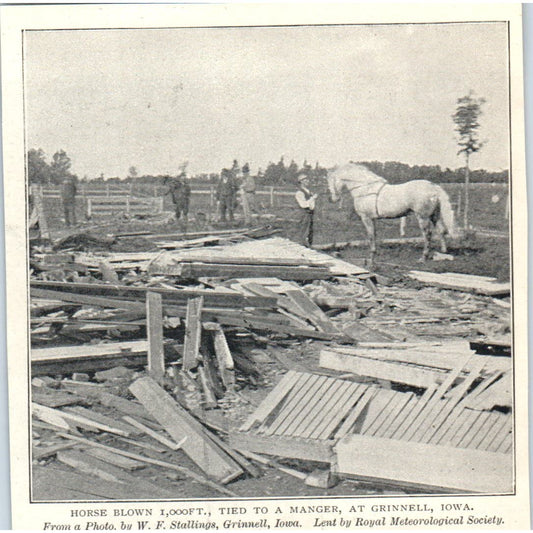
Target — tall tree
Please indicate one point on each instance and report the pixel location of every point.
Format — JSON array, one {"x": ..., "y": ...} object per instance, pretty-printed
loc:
[
  {"x": 38, "y": 168},
  {"x": 466, "y": 118},
  {"x": 60, "y": 166}
]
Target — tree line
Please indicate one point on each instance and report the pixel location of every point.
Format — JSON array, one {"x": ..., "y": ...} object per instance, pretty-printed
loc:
[{"x": 275, "y": 174}]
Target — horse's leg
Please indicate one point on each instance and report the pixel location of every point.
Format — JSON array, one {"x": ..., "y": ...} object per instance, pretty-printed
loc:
[
  {"x": 441, "y": 232},
  {"x": 370, "y": 226},
  {"x": 425, "y": 226}
]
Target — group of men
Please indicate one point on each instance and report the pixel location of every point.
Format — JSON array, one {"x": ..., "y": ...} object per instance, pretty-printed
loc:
[{"x": 226, "y": 196}]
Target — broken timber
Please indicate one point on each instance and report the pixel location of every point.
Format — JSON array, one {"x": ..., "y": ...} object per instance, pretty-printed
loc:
[
  {"x": 154, "y": 320},
  {"x": 193, "y": 330},
  {"x": 178, "y": 423}
]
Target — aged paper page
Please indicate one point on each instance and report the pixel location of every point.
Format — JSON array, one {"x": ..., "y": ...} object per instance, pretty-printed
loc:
[{"x": 266, "y": 266}]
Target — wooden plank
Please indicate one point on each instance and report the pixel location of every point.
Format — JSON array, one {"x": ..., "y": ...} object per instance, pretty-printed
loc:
[
  {"x": 308, "y": 400},
  {"x": 224, "y": 358},
  {"x": 306, "y": 382},
  {"x": 282, "y": 446},
  {"x": 453, "y": 468},
  {"x": 88, "y": 351},
  {"x": 502, "y": 435},
  {"x": 398, "y": 373},
  {"x": 193, "y": 330},
  {"x": 271, "y": 401},
  {"x": 464, "y": 429},
  {"x": 450, "y": 426},
  {"x": 154, "y": 326},
  {"x": 311, "y": 310},
  {"x": 177, "y": 422},
  {"x": 323, "y": 408},
  {"x": 346, "y": 402},
  {"x": 60, "y": 418},
  {"x": 159, "y": 438},
  {"x": 484, "y": 430},
  {"x": 113, "y": 458},
  {"x": 95, "y": 416},
  {"x": 38, "y": 452},
  {"x": 164, "y": 464}
]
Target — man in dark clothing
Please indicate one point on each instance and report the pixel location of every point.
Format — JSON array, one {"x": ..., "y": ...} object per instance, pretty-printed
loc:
[
  {"x": 180, "y": 191},
  {"x": 306, "y": 202},
  {"x": 226, "y": 194},
  {"x": 68, "y": 199}
]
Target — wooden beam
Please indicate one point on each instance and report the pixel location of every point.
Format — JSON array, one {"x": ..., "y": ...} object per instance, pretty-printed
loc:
[
  {"x": 154, "y": 321},
  {"x": 178, "y": 423},
  {"x": 193, "y": 330},
  {"x": 443, "y": 467},
  {"x": 223, "y": 354}
]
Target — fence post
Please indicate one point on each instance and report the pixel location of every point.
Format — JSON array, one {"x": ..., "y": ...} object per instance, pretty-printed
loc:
[
  {"x": 459, "y": 201},
  {"x": 155, "y": 190},
  {"x": 211, "y": 197},
  {"x": 89, "y": 207},
  {"x": 127, "y": 205},
  {"x": 271, "y": 196},
  {"x": 84, "y": 190},
  {"x": 107, "y": 189}
]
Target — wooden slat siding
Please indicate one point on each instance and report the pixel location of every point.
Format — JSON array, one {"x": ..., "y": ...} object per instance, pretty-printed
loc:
[
  {"x": 291, "y": 404},
  {"x": 455, "y": 397},
  {"x": 479, "y": 423},
  {"x": 363, "y": 366},
  {"x": 415, "y": 462},
  {"x": 428, "y": 421},
  {"x": 397, "y": 421},
  {"x": 510, "y": 444},
  {"x": 302, "y": 379},
  {"x": 271, "y": 401},
  {"x": 302, "y": 419},
  {"x": 485, "y": 430},
  {"x": 313, "y": 312},
  {"x": 294, "y": 447},
  {"x": 377, "y": 406},
  {"x": 502, "y": 435},
  {"x": 464, "y": 429},
  {"x": 501, "y": 420},
  {"x": 484, "y": 385},
  {"x": 322, "y": 412},
  {"x": 456, "y": 417},
  {"x": 333, "y": 405},
  {"x": 505, "y": 443},
  {"x": 313, "y": 392},
  {"x": 355, "y": 413},
  {"x": 413, "y": 413},
  {"x": 428, "y": 408},
  {"x": 346, "y": 403},
  {"x": 178, "y": 423},
  {"x": 396, "y": 407},
  {"x": 193, "y": 330}
]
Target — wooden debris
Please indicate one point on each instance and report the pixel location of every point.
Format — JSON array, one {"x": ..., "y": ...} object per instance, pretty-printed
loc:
[
  {"x": 193, "y": 330},
  {"x": 160, "y": 438},
  {"x": 154, "y": 323},
  {"x": 178, "y": 423}
]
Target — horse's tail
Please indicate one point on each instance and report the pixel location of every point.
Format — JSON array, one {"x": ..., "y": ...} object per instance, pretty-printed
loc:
[{"x": 446, "y": 212}]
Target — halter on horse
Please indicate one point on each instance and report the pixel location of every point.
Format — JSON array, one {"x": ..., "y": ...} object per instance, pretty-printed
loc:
[{"x": 374, "y": 198}]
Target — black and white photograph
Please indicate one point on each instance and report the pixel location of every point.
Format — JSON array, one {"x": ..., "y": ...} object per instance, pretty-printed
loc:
[{"x": 269, "y": 268}]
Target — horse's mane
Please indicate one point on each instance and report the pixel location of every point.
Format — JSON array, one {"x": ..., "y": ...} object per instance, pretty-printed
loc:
[{"x": 356, "y": 172}]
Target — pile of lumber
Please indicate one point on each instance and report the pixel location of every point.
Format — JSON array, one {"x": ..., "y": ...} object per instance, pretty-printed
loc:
[{"x": 97, "y": 441}]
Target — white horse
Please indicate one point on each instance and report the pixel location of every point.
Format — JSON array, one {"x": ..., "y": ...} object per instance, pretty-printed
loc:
[{"x": 374, "y": 198}]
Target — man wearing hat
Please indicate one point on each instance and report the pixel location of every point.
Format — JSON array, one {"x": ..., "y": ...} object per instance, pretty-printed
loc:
[
  {"x": 180, "y": 192},
  {"x": 226, "y": 194},
  {"x": 68, "y": 199},
  {"x": 306, "y": 202},
  {"x": 248, "y": 194}
]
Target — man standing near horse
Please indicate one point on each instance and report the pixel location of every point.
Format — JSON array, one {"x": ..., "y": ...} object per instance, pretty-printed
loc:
[
  {"x": 180, "y": 191},
  {"x": 306, "y": 202}
]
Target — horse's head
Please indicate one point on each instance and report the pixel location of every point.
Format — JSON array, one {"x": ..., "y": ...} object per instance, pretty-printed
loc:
[{"x": 333, "y": 188}]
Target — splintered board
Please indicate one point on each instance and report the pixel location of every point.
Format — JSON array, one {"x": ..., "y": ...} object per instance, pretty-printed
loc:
[{"x": 306, "y": 414}]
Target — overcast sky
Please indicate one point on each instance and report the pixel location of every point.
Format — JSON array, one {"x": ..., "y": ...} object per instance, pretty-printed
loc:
[{"x": 154, "y": 98}]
